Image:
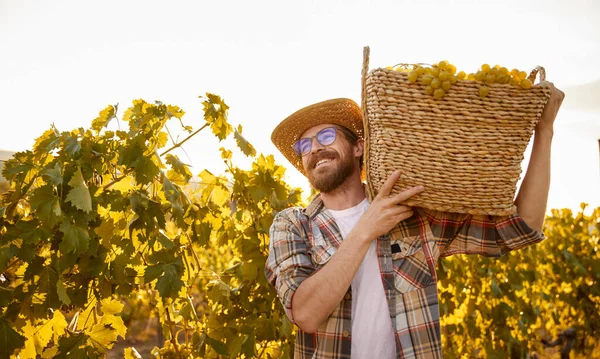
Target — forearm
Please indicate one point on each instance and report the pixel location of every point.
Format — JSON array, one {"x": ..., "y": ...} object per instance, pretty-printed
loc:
[
  {"x": 532, "y": 198},
  {"x": 322, "y": 292}
]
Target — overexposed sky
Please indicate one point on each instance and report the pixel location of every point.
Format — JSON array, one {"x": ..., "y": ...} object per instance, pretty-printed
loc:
[{"x": 63, "y": 61}]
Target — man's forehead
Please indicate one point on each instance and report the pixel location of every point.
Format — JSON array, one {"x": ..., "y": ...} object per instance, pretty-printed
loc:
[{"x": 313, "y": 130}]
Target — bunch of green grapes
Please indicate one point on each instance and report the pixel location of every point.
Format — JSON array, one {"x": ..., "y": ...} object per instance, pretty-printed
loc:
[
  {"x": 499, "y": 75},
  {"x": 438, "y": 78},
  {"x": 168, "y": 351}
]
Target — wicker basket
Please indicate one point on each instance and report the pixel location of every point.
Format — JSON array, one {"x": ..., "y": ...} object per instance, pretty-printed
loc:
[{"x": 466, "y": 150}]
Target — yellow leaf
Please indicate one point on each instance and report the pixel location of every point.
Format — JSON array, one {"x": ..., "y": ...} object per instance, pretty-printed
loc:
[
  {"x": 131, "y": 353},
  {"x": 111, "y": 306},
  {"x": 59, "y": 324},
  {"x": 29, "y": 351},
  {"x": 50, "y": 352},
  {"x": 79, "y": 195},
  {"x": 84, "y": 315},
  {"x": 106, "y": 231}
]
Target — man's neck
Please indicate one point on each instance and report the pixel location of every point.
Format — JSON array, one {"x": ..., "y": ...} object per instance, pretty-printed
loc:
[{"x": 348, "y": 195}]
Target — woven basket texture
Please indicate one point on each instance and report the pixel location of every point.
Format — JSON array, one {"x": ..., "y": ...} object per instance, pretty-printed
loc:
[{"x": 466, "y": 150}]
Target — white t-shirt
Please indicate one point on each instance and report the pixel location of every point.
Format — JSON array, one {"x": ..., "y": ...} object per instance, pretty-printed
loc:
[{"x": 372, "y": 332}]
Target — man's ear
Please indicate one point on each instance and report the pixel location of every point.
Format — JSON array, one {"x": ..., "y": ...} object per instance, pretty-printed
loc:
[{"x": 359, "y": 149}]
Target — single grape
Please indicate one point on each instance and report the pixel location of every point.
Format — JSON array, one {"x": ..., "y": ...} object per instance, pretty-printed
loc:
[
  {"x": 515, "y": 81},
  {"x": 490, "y": 78},
  {"x": 446, "y": 85},
  {"x": 479, "y": 76},
  {"x": 485, "y": 68},
  {"x": 483, "y": 91},
  {"x": 451, "y": 69},
  {"x": 462, "y": 75},
  {"x": 471, "y": 77},
  {"x": 526, "y": 84},
  {"x": 443, "y": 65},
  {"x": 436, "y": 83},
  {"x": 443, "y": 76},
  {"x": 435, "y": 72},
  {"x": 439, "y": 93},
  {"x": 420, "y": 70},
  {"x": 426, "y": 79},
  {"x": 522, "y": 75},
  {"x": 453, "y": 79},
  {"x": 413, "y": 76},
  {"x": 429, "y": 90}
]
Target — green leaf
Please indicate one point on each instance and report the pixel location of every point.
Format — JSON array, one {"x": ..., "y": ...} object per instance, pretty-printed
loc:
[
  {"x": 496, "y": 291},
  {"x": 47, "y": 284},
  {"x": 218, "y": 346},
  {"x": 72, "y": 145},
  {"x": 76, "y": 238},
  {"x": 53, "y": 175},
  {"x": 79, "y": 195},
  {"x": 153, "y": 272},
  {"x": 104, "y": 117},
  {"x": 72, "y": 346},
  {"x": 145, "y": 169},
  {"x": 173, "y": 195},
  {"x": 201, "y": 233},
  {"x": 62, "y": 292},
  {"x": 46, "y": 205},
  {"x": 170, "y": 283},
  {"x": 179, "y": 167},
  {"x": 10, "y": 340},
  {"x": 243, "y": 144}
]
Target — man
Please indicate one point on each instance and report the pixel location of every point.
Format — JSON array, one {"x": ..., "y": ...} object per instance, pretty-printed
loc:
[{"x": 358, "y": 278}]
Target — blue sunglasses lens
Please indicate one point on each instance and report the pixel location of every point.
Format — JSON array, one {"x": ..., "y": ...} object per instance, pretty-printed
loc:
[{"x": 325, "y": 137}]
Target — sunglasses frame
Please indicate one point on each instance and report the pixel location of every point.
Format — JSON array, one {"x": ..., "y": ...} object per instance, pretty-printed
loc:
[{"x": 296, "y": 144}]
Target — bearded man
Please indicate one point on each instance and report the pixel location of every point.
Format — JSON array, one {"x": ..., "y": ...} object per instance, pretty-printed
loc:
[{"x": 359, "y": 278}]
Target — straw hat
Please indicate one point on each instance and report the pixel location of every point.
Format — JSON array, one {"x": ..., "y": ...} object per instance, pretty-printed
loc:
[{"x": 340, "y": 111}]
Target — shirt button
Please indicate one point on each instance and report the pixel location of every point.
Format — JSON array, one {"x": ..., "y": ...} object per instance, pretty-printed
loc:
[
  {"x": 347, "y": 296},
  {"x": 346, "y": 333}
]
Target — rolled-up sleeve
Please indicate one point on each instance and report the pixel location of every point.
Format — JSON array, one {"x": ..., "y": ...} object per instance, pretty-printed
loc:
[
  {"x": 288, "y": 263},
  {"x": 491, "y": 236}
]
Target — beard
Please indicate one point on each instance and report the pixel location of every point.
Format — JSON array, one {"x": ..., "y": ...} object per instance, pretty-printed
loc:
[{"x": 326, "y": 181}]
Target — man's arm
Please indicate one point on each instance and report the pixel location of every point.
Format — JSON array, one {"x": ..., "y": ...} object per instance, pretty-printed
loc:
[
  {"x": 497, "y": 235},
  {"x": 532, "y": 198},
  {"x": 322, "y": 292}
]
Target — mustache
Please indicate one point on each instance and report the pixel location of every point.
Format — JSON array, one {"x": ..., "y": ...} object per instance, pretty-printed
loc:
[{"x": 324, "y": 154}]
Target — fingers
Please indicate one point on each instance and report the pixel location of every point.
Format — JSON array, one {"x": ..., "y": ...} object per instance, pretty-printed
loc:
[
  {"x": 388, "y": 184},
  {"x": 404, "y": 195}
]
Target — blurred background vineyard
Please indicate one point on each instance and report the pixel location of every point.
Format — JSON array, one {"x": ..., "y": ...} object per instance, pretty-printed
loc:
[{"x": 191, "y": 283}]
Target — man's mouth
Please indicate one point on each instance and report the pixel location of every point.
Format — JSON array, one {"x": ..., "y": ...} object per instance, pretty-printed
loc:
[{"x": 324, "y": 160}]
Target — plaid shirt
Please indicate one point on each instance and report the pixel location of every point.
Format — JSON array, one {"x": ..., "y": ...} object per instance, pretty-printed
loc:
[{"x": 303, "y": 240}]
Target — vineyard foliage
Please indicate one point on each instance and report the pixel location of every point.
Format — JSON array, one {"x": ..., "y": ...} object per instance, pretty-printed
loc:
[
  {"x": 102, "y": 224},
  {"x": 495, "y": 308},
  {"x": 93, "y": 215}
]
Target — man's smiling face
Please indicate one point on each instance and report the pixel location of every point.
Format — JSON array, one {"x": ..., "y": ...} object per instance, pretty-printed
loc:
[{"x": 327, "y": 167}]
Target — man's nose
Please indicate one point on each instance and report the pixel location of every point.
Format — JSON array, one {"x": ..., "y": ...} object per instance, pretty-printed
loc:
[{"x": 316, "y": 146}]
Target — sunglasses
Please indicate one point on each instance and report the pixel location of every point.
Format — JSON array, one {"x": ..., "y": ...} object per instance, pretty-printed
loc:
[{"x": 325, "y": 137}]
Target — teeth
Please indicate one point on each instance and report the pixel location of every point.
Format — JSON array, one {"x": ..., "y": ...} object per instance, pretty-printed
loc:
[{"x": 321, "y": 162}]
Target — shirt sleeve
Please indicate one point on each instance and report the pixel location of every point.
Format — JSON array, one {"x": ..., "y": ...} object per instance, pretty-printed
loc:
[
  {"x": 491, "y": 236},
  {"x": 288, "y": 263}
]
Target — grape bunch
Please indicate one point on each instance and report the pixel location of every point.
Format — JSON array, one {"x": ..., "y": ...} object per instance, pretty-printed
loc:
[{"x": 440, "y": 77}]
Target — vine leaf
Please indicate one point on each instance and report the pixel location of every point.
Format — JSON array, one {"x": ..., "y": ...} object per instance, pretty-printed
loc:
[{"x": 79, "y": 195}]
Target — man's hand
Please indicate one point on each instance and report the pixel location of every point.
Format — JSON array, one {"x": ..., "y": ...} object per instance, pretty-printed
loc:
[
  {"x": 385, "y": 212},
  {"x": 546, "y": 123}
]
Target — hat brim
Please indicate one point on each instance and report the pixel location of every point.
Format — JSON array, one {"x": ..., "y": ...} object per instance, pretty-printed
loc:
[{"x": 341, "y": 111}]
